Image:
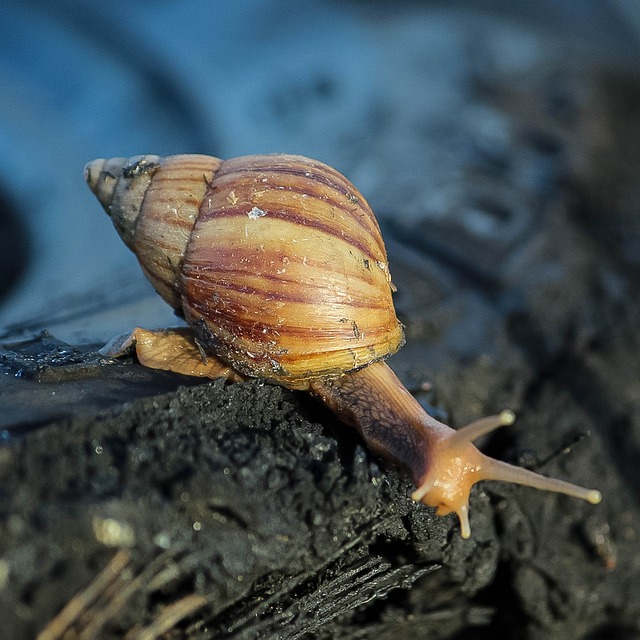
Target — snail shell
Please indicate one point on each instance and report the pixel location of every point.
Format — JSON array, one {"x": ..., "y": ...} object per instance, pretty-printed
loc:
[{"x": 276, "y": 261}]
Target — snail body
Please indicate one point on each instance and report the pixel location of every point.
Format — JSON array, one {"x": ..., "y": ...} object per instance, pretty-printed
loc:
[{"x": 278, "y": 266}]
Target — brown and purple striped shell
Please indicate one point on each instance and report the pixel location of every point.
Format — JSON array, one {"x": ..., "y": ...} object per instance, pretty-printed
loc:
[{"x": 276, "y": 261}]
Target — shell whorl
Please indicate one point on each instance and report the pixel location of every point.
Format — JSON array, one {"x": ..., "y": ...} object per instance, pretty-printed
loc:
[
  {"x": 153, "y": 202},
  {"x": 120, "y": 185},
  {"x": 276, "y": 261}
]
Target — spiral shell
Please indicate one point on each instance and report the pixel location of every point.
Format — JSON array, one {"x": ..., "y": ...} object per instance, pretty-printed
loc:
[{"x": 276, "y": 261}]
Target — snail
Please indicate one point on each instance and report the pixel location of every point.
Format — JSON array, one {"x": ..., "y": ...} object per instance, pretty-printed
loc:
[{"x": 278, "y": 266}]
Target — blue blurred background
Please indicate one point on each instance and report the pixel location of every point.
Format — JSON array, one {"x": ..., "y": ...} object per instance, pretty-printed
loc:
[{"x": 386, "y": 92}]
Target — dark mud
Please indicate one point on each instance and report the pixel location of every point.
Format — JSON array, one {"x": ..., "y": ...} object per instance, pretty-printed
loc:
[{"x": 248, "y": 511}]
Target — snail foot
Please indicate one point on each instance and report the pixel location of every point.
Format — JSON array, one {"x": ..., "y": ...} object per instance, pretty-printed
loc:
[{"x": 173, "y": 350}]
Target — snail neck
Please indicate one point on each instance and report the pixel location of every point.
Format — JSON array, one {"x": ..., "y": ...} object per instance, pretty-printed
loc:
[{"x": 387, "y": 416}]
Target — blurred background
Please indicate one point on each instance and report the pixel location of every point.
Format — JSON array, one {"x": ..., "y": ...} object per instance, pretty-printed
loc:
[{"x": 392, "y": 94}]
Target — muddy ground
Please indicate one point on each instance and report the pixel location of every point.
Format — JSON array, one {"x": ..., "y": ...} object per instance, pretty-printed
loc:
[{"x": 143, "y": 504}]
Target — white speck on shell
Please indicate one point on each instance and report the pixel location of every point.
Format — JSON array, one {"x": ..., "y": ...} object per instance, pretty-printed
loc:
[{"x": 256, "y": 213}]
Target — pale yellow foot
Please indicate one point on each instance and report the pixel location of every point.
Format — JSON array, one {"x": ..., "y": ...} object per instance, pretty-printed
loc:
[{"x": 170, "y": 350}]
